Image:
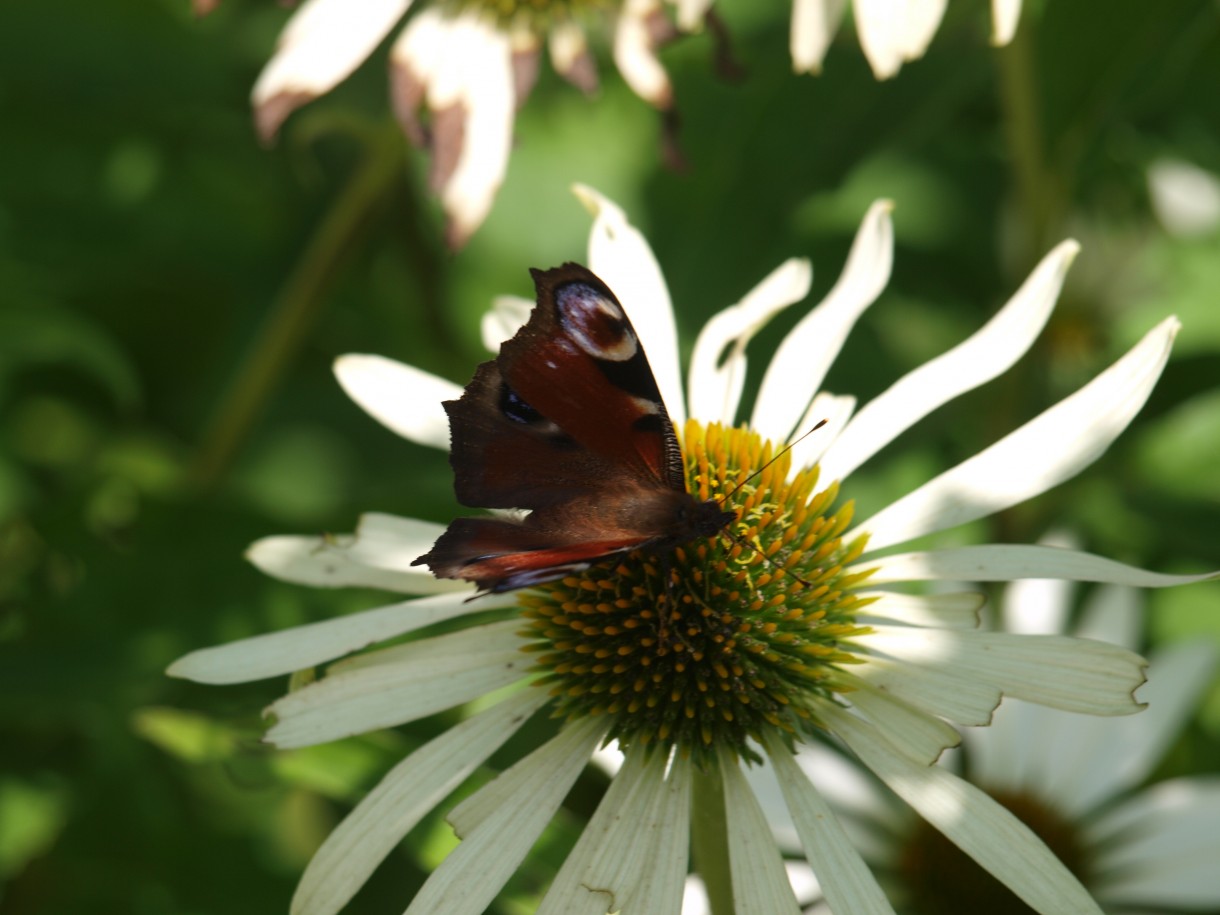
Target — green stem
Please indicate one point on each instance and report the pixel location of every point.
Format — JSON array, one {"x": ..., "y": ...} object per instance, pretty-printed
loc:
[
  {"x": 709, "y": 837},
  {"x": 296, "y": 307},
  {"x": 1038, "y": 198}
]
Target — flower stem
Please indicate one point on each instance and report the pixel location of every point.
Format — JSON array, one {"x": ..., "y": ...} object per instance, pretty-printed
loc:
[
  {"x": 710, "y": 839},
  {"x": 1038, "y": 196},
  {"x": 297, "y": 306}
]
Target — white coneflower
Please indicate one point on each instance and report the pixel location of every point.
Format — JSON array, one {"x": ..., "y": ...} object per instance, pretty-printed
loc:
[
  {"x": 758, "y": 655},
  {"x": 1075, "y": 780},
  {"x": 470, "y": 63}
]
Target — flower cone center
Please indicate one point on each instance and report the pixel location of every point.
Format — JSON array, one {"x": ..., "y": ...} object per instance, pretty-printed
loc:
[{"x": 720, "y": 639}]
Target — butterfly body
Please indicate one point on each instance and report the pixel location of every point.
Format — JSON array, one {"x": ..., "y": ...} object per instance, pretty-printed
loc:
[{"x": 567, "y": 423}]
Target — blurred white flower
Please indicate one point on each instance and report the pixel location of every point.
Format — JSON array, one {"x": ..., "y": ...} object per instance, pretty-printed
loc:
[
  {"x": 892, "y": 32},
  {"x": 470, "y": 64},
  {"x": 1076, "y": 780},
  {"x": 760, "y": 655},
  {"x": 1185, "y": 198}
]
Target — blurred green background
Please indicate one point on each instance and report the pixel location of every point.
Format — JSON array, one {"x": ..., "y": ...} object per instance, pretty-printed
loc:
[{"x": 147, "y": 243}]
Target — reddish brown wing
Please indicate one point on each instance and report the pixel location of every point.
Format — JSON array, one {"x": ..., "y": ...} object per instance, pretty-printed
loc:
[
  {"x": 568, "y": 423},
  {"x": 569, "y": 407}
]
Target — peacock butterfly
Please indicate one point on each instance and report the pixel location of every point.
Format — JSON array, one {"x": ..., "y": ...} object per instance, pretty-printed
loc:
[{"x": 568, "y": 423}]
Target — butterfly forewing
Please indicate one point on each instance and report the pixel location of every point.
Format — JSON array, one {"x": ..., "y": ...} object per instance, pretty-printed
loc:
[{"x": 568, "y": 423}]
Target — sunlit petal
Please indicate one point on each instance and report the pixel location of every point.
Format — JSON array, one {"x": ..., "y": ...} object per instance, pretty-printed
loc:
[
  {"x": 987, "y": 354},
  {"x": 801, "y": 362},
  {"x": 1044, "y": 452}
]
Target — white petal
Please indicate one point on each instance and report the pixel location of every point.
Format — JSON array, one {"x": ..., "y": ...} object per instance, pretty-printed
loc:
[
  {"x": 760, "y": 883},
  {"x": 1005, "y": 15},
  {"x": 277, "y": 653},
  {"x": 922, "y": 736},
  {"x": 800, "y": 363},
  {"x": 1113, "y": 756},
  {"x": 1036, "y": 605},
  {"x": 1076, "y": 675},
  {"x": 1047, "y": 450},
  {"x": 401, "y": 397},
  {"x": 938, "y": 690},
  {"x": 500, "y": 823},
  {"x": 1160, "y": 848},
  {"x": 1113, "y": 614},
  {"x": 814, "y": 23},
  {"x": 848, "y": 884},
  {"x": 324, "y": 41},
  {"x": 408, "y": 792},
  {"x": 1185, "y": 197},
  {"x": 379, "y": 555},
  {"x": 635, "y": 55},
  {"x": 507, "y": 316},
  {"x": 1006, "y": 562},
  {"x": 329, "y": 562},
  {"x": 950, "y": 610},
  {"x": 632, "y": 854},
  {"x": 478, "y": 60},
  {"x": 986, "y": 354},
  {"x": 834, "y": 410},
  {"x": 622, "y": 259},
  {"x": 976, "y": 824},
  {"x": 662, "y": 882},
  {"x": 895, "y": 31},
  {"x": 691, "y": 13},
  {"x": 400, "y": 684},
  {"x": 717, "y": 377}
]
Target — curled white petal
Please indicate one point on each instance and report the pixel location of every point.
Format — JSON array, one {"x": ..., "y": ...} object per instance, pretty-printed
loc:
[
  {"x": 717, "y": 377},
  {"x": 1047, "y": 450},
  {"x": 691, "y": 13},
  {"x": 324, "y": 41},
  {"x": 636, "y": 56},
  {"x": 395, "y": 685},
  {"x": 621, "y": 257},
  {"x": 985, "y": 355},
  {"x": 814, "y": 23},
  {"x": 1007, "y": 562},
  {"x": 404, "y": 796},
  {"x": 978, "y": 825},
  {"x": 404, "y": 399},
  {"x": 475, "y": 74},
  {"x": 801, "y": 362}
]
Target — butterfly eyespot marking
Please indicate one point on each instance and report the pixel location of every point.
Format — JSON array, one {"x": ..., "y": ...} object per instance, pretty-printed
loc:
[{"x": 595, "y": 323}]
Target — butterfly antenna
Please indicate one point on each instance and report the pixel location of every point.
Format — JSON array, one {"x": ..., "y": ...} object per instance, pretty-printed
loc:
[
  {"x": 746, "y": 544},
  {"x": 820, "y": 423}
]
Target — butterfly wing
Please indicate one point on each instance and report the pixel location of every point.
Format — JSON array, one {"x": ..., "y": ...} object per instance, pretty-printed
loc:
[{"x": 568, "y": 423}]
